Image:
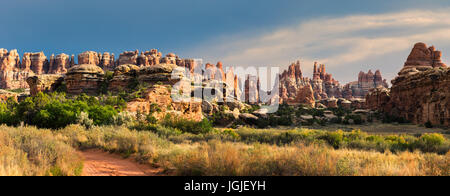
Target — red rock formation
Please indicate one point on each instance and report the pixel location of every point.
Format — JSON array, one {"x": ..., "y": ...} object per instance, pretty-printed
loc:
[
  {"x": 366, "y": 81},
  {"x": 39, "y": 62},
  {"x": 378, "y": 98},
  {"x": 85, "y": 78},
  {"x": 305, "y": 96},
  {"x": 72, "y": 61},
  {"x": 322, "y": 83},
  {"x": 59, "y": 64},
  {"x": 107, "y": 61},
  {"x": 421, "y": 55},
  {"x": 12, "y": 73},
  {"x": 89, "y": 57}
]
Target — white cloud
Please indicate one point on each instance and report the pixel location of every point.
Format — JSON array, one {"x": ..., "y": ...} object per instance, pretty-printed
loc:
[{"x": 349, "y": 41}]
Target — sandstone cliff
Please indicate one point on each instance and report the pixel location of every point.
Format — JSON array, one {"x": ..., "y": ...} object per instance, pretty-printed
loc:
[{"x": 421, "y": 91}]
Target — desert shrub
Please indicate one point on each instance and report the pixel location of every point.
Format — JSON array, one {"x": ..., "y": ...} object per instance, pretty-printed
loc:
[
  {"x": 340, "y": 112},
  {"x": 188, "y": 126},
  {"x": 7, "y": 115},
  {"x": 154, "y": 108},
  {"x": 251, "y": 109},
  {"x": 231, "y": 133},
  {"x": 30, "y": 151},
  {"x": 84, "y": 120},
  {"x": 433, "y": 142},
  {"x": 123, "y": 118},
  {"x": 285, "y": 110},
  {"x": 116, "y": 101},
  {"x": 105, "y": 83},
  {"x": 221, "y": 118},
  {"x": 160, "y": 130},
  {"x": 335, "y": 139},
  {"x": 151, "y": 119}
]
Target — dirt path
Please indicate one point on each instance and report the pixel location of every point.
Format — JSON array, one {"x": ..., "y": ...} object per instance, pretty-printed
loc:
[{"x": 99, "y": 163}]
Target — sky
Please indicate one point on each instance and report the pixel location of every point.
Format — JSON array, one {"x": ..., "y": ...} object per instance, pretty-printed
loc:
[{"x": 348, "y": 36}]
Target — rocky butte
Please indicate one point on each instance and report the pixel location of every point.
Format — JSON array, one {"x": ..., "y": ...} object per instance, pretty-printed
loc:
[
  {"x": 155, "y": 76},
  {"x": 296, "y": 89},
  {"x": 421, "y": 91}
]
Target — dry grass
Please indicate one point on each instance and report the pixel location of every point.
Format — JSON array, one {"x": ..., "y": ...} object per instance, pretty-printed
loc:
[
  {"x": 30, "y": 151},
  {"x": 234, "y": 158},
  {"x": 217, "y": 158},
  {"x": 384, "y": 128}
]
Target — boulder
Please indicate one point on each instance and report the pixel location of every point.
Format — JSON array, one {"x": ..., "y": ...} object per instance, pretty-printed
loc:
[{"x": 84, "y": 78}]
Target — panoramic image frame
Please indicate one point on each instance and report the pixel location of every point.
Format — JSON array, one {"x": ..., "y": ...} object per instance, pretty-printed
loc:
[{"x": 243, "y": 90}]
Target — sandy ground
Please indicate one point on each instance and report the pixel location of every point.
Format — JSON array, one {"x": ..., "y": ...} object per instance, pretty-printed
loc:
[{"x": 99, "y": 163}]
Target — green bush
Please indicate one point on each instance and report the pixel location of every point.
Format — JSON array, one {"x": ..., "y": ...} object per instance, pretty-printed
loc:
[
  {"x": 56, "y": 111},
  {"x": 102, "y": 115},
  {"x": 188, "y": 126},
  {"x": 231, "y": 133},
  {"x": 334, "y": 138},
  {"x": 432, "y": 142}
]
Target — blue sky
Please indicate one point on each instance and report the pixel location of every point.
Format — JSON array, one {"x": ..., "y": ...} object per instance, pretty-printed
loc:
[{"x": 238, "y": 32}]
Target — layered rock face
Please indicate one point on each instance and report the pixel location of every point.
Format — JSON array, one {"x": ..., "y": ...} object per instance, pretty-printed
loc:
[
  {"x": 159, "y": 96},
  {"x": 84, "y": 78},
  {"x": 378, "y": 98},
  {"x": 366, "y": 82},
  {"x": 44, "y": 83},
  {"x": 421, "y": 91},
  {"x": 422, "y": 97}
]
